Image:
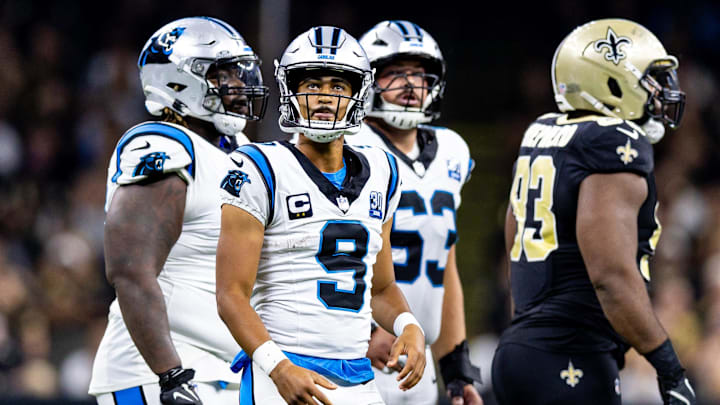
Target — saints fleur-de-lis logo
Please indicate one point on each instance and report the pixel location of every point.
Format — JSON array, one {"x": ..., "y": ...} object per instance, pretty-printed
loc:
[
  {"x": 572, "y": 375},
  {"x": 613, "y": 43},
  {"x": 627, "y": 153}
]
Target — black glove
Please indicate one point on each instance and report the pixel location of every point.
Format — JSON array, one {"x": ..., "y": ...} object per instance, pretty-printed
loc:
[
  {"x": 676, "y": 391},
  {"x": 177, "y": 389},
  {"x": 457, "y": 371},
  {"x": 674, "y": 386}
]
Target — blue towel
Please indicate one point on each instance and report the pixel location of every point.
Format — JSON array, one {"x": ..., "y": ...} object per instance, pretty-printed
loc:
[{"x": 341, "y": 372}]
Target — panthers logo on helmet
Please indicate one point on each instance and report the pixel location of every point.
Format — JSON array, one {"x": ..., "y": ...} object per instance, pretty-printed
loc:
[
  {"x": 160, "y": 47},
  {"x": 233, "y": 182},
  {"x": 150, "y": 164},
  {"x": 613, "y": 43}
]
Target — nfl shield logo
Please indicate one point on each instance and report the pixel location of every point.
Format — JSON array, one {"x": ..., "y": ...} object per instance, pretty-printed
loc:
[{"x": 343, "y": 203}]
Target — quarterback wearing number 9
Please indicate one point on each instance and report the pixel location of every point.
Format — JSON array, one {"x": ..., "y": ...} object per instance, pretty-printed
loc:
[
  {"x": 305, "y": 241},
  {"x": 581, "y": 225}
]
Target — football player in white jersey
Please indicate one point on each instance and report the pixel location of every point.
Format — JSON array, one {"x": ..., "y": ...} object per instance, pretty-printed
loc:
[
  {"x": 203, "y": 80},
  {"x": 304, "y": 259},
  {"x": 435, "y": 164}
]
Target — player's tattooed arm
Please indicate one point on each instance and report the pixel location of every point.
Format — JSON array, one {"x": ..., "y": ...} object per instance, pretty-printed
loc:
[
  {"x": 608, "y": 206},
  {"x": 143, "y": 223}
]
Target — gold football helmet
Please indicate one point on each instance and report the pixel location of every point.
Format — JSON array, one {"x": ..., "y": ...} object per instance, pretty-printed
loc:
[{"x": 620, "y": 69}]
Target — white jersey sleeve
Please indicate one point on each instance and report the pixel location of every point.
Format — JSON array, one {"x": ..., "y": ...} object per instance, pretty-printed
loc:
[
  {"x": 456, "y": 153},
  {"x": 394, "y": 187},
  {"x": 153, "y": 149},
  {"x": 250, "y": 183}
]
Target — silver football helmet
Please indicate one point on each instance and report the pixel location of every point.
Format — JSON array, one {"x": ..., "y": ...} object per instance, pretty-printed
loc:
[
  {"x": 389, "y": 41},
  {"x": 323, "y": 50},
  {"x": 178, "y": 60}
]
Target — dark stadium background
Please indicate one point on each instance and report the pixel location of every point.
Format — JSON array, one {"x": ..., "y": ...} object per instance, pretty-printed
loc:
[{"x": 69, "y": 88}]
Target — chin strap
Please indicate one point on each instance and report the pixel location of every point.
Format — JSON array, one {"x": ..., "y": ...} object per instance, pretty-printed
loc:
[
  {"x": 597, "y": 104},
  {"x": 227, "y": 124},
  {"x": 654, "y": 130}
]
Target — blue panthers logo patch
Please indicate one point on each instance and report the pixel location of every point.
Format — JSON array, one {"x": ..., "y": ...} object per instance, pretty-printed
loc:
[
  {"x": 152, "y": 163},
  {"x": 233, "y": 182},
  {"x": 160, "y": 47}
]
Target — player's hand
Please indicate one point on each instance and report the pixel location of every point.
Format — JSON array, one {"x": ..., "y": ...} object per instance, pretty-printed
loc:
[
  {"x": 676, "y": 391},
  {"x": 462, "y": 393},
  {"x": 176, "y": 387},
  {"x": 412, "y": 344},
  {"x": 379, "y": 349},
  {"x": 298, "y": 386}
]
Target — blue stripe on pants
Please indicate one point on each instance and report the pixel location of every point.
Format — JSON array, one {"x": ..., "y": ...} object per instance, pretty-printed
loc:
[
  {"x": 129, "y": 396},
  {"x": 246, "y": 387}
]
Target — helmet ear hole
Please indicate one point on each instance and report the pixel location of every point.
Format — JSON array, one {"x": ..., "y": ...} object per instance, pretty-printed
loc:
[
  {"x": 177, "y": 87},
  {"x": 614, "y": 87}
]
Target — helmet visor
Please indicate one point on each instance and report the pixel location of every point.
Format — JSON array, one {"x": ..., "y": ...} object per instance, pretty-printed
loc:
[{"x": 235, "y": 87}]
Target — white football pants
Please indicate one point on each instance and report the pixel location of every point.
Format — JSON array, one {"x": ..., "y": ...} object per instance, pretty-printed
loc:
[
  {"x": 149, "y": 394},
  {"x": 265, "y": 392}
]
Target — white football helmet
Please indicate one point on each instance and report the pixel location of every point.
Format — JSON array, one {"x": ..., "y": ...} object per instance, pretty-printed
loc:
[
  {"x": 389, "y": 41},
  {"x": 174, "y": 66},
  {"x": 325, "y": 49}
]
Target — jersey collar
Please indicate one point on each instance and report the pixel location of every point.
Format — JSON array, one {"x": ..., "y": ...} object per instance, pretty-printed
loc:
[
  {"x": 427, "y": 141},
  {"x": 358, "y": 173}
]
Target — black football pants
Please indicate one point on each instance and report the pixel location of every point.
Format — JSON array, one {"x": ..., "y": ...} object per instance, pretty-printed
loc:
[{"x": 523, "y": 375}]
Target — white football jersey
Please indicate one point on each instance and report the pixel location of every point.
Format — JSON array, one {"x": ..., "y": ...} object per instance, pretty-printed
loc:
[
  {"x": 187, "y": 280},
  {"x": 313, "y": 283},
  {"x": 424, "y": 228}
]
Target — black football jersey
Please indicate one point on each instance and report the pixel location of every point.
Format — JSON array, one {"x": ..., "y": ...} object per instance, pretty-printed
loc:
[{"x": 556, "y": 307}]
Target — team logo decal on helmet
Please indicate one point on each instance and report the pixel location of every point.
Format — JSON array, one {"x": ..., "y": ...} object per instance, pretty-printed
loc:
[
  {"x": 160, "y": 47},
  {"x": 613, "y": 43}
]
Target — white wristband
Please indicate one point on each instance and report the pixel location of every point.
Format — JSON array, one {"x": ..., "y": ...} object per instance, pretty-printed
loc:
[
  {"x": 267, "y": 356},
  {"x": 403, "y": 320}
]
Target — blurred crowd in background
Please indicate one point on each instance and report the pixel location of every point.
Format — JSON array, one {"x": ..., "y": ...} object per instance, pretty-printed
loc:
[{"x": 70, "y": 88}]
